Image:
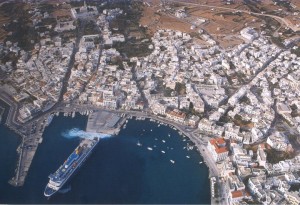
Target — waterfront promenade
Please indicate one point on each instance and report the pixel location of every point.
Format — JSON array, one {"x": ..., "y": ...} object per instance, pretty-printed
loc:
[{"x": 32, "y": 136}]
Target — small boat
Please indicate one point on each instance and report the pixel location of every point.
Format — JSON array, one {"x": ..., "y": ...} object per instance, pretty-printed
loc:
[
  {"x": 162, "y": 151},
  {"x": 49, "y": 120},
  {"x": 200, "y": 162},
  {"x": 187, "y": 156},
  {"x": 151, "y": 130},
  {"x": 138, "y": 144},
  {"x": 149, "y": 148},
  {"x": 172, "y": 161},
  {"x": 172, "y": 148},
  {"x": 169, "y": 135},
  {"x": 154, "y": 146},
  {"x": 163, "y": 141},
  {"x": 189, "y": 147},
  {"x": 156, "y": 139}
]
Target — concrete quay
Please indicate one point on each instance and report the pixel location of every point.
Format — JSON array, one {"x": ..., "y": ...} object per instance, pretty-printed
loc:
[
  {"x": 104, "y": 122},
  {"x": 27, "y": 150}
]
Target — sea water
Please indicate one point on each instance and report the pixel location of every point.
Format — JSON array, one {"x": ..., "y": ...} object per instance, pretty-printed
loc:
[{"x": 118, "y": 170}]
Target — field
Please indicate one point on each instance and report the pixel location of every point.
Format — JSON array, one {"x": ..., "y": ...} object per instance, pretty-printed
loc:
[
  {"x": 223, "y": 22},
  {"x": 154, "y": 20}
]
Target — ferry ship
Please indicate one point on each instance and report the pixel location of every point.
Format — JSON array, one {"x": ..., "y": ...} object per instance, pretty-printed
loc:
[{"x": 74, "y": 161}]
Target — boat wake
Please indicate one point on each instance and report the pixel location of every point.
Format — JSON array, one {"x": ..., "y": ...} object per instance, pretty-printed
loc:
[
  {"x": 75, "y": 133},
  {"x": 63, "y": 191}
]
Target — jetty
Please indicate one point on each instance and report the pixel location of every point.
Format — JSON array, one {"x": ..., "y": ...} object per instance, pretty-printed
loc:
[{"x": 27, "y": 149}]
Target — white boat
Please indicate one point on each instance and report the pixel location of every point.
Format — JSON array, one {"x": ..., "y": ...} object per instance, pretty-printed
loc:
[
  {"x": 200, "y": 162},
  {"x": 138, "y": 144},
  {"x": 187, "y": 156},
  {"x": 155, "y": 138},
  {"x": 149, "y": 148},
  {"x": 172, "y": 161},
  {"x": 162, "y": 151},
  {"x": 169, "y": 135},
  {"x": 163, "y": 141},
  {"x": 154, "y": 146},
  {"x": 151, "y": 130},
  {"x": 189, "y": 147},
  {"x": 49, "y": 120}
]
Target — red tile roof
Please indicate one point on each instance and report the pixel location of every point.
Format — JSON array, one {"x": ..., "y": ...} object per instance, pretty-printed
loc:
[
  {"x": 236, "y": 194},
  {"x": 177, "y": 114},
  {"x": 217, "y": 144}
]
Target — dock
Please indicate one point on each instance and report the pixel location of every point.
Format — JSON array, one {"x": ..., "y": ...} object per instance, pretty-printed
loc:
[
  {"x": 105, "y": 122},
  {"x": 27, "y": 150}
]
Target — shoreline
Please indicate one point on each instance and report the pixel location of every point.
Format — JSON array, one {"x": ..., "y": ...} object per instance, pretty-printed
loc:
[{"x": 195, "y": 137}]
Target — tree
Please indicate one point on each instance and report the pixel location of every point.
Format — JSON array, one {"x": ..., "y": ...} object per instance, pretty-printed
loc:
[{"x": 180, "y": 88}]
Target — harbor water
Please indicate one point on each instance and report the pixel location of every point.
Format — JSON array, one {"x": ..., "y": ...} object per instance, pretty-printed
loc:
[{"x": 144, "y": 163}]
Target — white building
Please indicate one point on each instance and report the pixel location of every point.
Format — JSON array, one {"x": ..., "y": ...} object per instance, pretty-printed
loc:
[{"x": 218, "y": 149}]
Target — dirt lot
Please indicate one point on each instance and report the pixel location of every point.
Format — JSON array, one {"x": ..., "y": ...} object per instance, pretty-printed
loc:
[
  {"x": 155, "y": 20},
  {"x": 62, "y": 11}
]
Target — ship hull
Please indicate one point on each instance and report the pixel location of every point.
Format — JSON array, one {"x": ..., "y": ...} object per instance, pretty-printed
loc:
[{"x": 49, "y": 191}]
